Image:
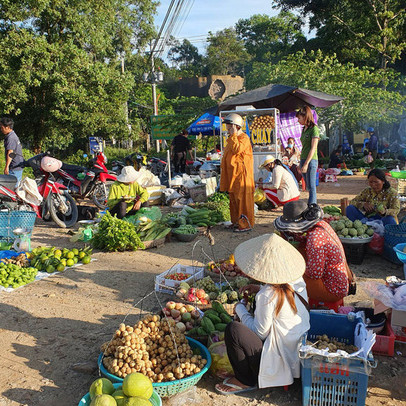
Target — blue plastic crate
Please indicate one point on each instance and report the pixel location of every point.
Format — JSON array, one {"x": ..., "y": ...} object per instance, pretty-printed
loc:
[
  {"x": 11, "y": 220},
  {"x": 333, "y": 383}
]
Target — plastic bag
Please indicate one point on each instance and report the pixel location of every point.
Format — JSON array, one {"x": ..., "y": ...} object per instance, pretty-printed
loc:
[
  {"x": 220, "y": 364},
  {"x": 152, "y": 213},
  {"x": 259, "y": 196},
  {"x": 377, "y": 226},
  {"x": 377, "y": 243}
]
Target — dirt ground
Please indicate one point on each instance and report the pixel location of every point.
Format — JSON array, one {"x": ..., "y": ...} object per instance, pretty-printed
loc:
[{"x": 51, "y": 330}]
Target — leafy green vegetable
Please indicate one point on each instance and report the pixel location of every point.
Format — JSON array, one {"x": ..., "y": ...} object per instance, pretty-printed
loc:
[{"x": 114, "y": 234}]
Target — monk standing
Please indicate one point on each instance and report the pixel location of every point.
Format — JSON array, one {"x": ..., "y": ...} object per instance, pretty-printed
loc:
[{"x": 237, "y": 174}]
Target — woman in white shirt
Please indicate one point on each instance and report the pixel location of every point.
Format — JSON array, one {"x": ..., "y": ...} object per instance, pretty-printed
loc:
[
  {"x": 263, "y": 349},
  {"x": 283, "y": 187}
]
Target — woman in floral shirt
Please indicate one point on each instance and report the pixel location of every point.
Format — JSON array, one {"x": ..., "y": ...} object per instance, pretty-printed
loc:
[
  {"x": 327, "y": 272},
  {"x": 379, "y": 201}
]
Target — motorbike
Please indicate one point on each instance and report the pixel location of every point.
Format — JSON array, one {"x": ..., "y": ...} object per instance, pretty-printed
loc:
[
  {"x": 155, "y": 165},
  {"x": 56, "y": 202},
  {"x": 93, "y": 183}
]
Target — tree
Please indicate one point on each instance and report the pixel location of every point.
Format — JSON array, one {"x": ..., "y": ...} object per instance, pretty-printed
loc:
[
  {"x": 61, "y": 78},
  {"x": 187, "y": 58},
  {"x": 364, "y": 89},
  {"x": 271, "y": 38},
  {"x": 226, "y": 54},
  {"x": 378, "y": 27}
]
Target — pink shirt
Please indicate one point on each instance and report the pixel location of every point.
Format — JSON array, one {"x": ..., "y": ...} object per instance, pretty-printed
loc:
[{"x": 325, "y": 259}]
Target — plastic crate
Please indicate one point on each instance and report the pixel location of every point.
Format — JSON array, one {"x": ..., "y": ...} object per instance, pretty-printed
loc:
[
  {"x": 355, "y": 253},
  {"x": 169, "y": 286},
  {"x": 385, "y": 342},
  {"x": 11, "y": 220},
  {"x": 333, "y": 383}
]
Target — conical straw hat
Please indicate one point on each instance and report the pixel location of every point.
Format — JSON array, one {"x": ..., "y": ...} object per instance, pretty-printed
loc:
[{"x": 270, "y": 259}]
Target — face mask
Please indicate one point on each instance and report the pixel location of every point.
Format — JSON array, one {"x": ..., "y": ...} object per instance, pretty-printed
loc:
[{"x": 290, "y": 145}]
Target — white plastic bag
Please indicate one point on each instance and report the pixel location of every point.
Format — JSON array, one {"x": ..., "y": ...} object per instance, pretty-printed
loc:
[{"x": 377, "y": 226}]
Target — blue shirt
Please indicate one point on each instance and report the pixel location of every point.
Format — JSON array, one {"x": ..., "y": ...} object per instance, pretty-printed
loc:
[{"x": 12, "y": 143}]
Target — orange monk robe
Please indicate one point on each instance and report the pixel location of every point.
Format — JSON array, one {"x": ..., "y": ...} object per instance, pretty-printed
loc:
[{"x": 237, "y": 178}]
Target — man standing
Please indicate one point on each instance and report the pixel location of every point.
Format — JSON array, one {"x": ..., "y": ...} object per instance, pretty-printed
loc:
[
  {"x": 11, "y": 145},
  {"x": 373, "y": 142},
  {"x": 179, "y": 149},
  {"x": 237, "y": 174}
]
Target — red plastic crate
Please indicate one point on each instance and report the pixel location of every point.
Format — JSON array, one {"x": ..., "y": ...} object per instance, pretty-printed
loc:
[
  {"x": 385, "y": 342},
  {"x": 317, "y": 304}
]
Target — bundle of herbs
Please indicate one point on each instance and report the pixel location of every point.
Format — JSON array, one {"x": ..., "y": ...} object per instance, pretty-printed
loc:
[{"x": 114, "y": 234}]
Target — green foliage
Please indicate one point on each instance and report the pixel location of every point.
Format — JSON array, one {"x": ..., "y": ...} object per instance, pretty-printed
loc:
[
  {"x": 187, "y": 58},
  {"x": 363, "y": 89},
  {"x": 356, "y": 29},
  {"x": 268, "y": 39},
  {"x": 226, "y": 54},
  {"x": 61, "y": 78}
]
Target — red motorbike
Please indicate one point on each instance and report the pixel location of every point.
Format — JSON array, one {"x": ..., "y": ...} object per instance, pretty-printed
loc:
[
  {"x": 93, "y": 183},
  {"x": 56, "y": 203}
]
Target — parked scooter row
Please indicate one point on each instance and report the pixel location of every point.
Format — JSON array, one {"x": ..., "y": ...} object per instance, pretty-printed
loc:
[
  {"x": 59, "y": 184},
  {"x": 54, "y": 203}
]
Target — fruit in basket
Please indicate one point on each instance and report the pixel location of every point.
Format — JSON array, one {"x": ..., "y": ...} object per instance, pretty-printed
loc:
[
  {"x": 101, "y": 386},
  {"x": 119, "y": 397},
  {"x": 136, "y": 401},
  {"x": 136, "y": 384},
  {"x": 103, "y": 400},
  {"x": 151, "y": 347}
]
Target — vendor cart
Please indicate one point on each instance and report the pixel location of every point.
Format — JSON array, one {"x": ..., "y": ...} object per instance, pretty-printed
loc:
[{"x": 261, "y": 125}]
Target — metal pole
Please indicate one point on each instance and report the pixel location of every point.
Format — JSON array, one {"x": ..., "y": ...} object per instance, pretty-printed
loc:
[
  {"x": 168, "y": 159},
  {"x": 154, "y": 92}
]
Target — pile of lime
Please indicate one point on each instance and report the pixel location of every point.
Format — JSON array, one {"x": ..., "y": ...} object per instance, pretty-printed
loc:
[
  {"x": 51, "y": 259},
  {"x": 13, "y": 276}
]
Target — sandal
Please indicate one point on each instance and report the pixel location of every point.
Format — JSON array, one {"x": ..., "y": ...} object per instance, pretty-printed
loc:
[
  {"x": 238, "y": 389},
  {"x": 242, "y": 230}
]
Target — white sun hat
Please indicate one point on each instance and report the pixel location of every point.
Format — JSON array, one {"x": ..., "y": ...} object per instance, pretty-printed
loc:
[
  {"x": 128, "y": 175},
  {"x": 270, "y": 259},
  {"x": 267, "y": 160}
]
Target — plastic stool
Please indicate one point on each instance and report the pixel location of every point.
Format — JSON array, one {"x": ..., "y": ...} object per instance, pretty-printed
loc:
[
  {"x": 330, "y": 178},
  {"x": 316, "y": 304}
]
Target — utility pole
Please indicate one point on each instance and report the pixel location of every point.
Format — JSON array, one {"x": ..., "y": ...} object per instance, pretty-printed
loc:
[{"x": 154, "y": 101}]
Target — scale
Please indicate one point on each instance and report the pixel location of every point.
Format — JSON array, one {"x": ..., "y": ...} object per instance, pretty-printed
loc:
[
  {"x": 23, "y": 241},
  {"x": 88, "y": 231}
]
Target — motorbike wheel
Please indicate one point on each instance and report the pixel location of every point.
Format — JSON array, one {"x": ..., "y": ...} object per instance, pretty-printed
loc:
[
  {"x": 63, "y": 219},
  {"x": 100, "y": 194}
]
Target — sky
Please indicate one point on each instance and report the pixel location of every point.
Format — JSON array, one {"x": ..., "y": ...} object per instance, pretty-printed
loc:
[{"x": 213, "y": 15}]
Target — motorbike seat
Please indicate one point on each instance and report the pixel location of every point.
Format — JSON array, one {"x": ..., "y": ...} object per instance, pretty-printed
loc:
[
  {"x": 8, "y": 181},
  {"x": 73, "y": 169}
]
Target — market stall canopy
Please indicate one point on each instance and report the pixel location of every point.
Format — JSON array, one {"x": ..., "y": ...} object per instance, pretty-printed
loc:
[
  {"x": 207, "y": 124},
  {"x": 284, "y": 98}
]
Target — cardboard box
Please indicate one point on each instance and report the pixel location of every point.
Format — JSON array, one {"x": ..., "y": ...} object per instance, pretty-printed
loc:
[
  {"x": 155, "y": 194},
  {"x": 200, "y": 192},
  {"x": 398, "y": 318}
]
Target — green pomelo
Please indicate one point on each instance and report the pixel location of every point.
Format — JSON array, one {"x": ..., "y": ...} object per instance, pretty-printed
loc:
[
  {"x": 137, "y": 401},
  {"x": 137, "y": 384},
  {"x": 119, "y": 397},
  {"x": 103, "y": 400},
  {"x": 101, "y": 386}
]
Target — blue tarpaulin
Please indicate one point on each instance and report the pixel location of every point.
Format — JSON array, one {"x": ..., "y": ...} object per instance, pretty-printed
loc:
[{"x": 207, "y": 124}]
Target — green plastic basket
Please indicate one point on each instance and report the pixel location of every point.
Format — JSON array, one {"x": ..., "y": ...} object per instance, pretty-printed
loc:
[{"x": 165, "y": 389}]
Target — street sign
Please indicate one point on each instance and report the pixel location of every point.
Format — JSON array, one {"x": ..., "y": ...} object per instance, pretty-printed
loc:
[{"x": 95, "y": 144}]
